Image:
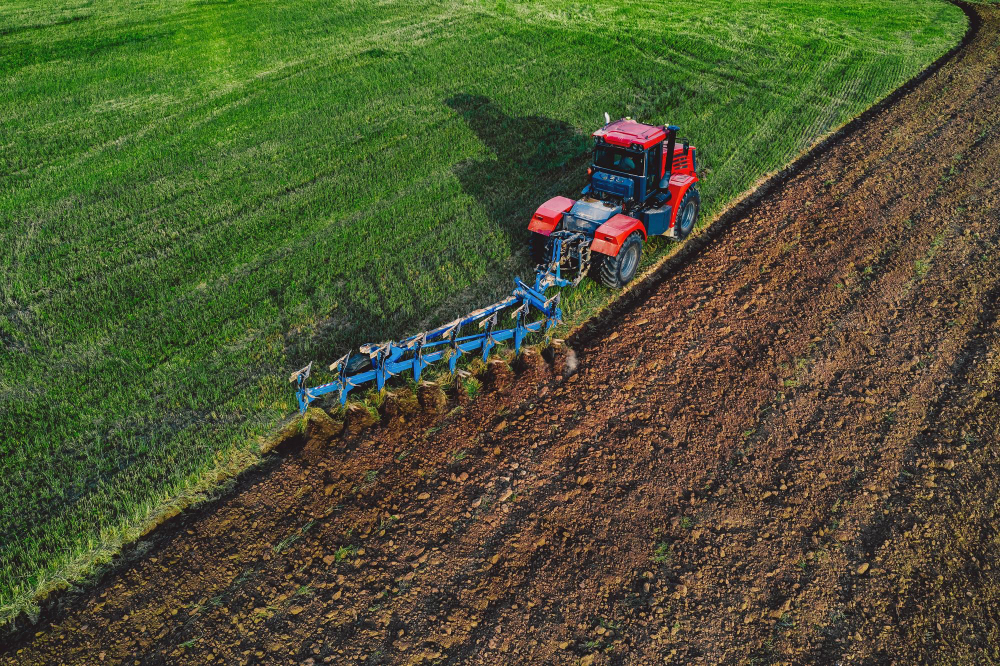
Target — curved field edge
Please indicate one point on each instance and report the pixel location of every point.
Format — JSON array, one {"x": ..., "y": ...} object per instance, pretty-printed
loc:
[{"x": 136, "y": 507}]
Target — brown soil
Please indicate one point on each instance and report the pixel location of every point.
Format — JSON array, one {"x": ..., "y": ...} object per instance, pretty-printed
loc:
[{"x": 786, "y": 451}]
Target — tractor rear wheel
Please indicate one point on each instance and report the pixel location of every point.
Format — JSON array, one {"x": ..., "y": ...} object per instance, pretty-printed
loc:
[
  {"x": 615, "y": 272},
  {"x": 687, "y": 213},
  {"x": 538, "y": 244}
]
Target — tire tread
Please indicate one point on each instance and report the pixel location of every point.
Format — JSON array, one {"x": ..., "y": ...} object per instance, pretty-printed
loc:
[{"x": 608, "y": 273}]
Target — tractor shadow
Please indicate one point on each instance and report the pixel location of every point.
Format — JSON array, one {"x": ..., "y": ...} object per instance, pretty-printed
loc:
[
  {"x": 534, "y": 158},
  {"x": 531, "y": 159},
  {"x": 392, "y": 305}
]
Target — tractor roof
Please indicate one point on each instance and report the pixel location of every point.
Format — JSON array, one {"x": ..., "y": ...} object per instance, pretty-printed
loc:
[{"x": 626, "y": 131}]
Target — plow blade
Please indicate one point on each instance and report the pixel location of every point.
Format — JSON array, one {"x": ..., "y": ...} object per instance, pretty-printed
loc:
[{"x": 447, "y": 342}]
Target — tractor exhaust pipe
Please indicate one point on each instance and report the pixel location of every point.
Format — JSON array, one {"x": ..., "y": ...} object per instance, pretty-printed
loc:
[
  {"x": 671, "y": 131},
  {"x": 668, "y": 157}
]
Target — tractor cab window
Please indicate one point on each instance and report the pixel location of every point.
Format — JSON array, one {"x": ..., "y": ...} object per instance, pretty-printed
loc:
[
  {"x": 620, "y": 159},
  {"x": 655, "y": 164}
]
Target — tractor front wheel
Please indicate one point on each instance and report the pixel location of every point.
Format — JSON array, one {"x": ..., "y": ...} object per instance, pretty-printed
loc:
[
  {"x": 615, "y": 272},
  {"x": 687, "y": 213}
]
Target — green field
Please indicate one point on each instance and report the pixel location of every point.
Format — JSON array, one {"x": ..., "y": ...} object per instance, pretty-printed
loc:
[{"x": 197, "y": 197}]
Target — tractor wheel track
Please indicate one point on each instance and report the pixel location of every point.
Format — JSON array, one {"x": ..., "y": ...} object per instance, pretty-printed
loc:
[{"x": 783, "y": 447}]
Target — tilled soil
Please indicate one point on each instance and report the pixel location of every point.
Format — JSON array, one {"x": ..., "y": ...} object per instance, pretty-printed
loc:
[{"x": 787, "y": 452}]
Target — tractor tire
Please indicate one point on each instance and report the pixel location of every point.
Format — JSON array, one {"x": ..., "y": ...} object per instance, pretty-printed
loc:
[
  {"x": 615, "y": 272},
  {"x": 687, "y": 213},
  {"x": 538, "y": 244}
]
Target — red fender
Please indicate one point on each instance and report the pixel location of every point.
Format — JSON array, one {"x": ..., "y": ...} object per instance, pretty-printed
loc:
[
  {"x": 678, "y": 187},
  {"x": 547, "y": 217},
  {"x": 609, "y": 236}
]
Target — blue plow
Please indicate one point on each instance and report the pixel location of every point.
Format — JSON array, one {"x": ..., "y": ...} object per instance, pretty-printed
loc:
[{"x": 388, "y": 359}]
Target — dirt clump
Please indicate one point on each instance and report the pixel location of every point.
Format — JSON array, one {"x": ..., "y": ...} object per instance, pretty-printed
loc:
[
  {"x": 357, "y": 419},
  {"x": 530, "y": 361},
  {"x": 562, "y": 358},
  {"x": 432, "y": 397},
  {"x": 498, "y": 374},
  {"x": 400, "y": 403},
  {"x": 320, "y": 430}
]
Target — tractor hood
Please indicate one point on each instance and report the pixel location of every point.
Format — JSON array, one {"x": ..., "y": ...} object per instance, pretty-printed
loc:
[{"x": 588, "y": 214}]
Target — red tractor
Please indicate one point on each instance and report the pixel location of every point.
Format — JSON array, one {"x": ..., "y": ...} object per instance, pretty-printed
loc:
[{"x": 641, "y": 184}]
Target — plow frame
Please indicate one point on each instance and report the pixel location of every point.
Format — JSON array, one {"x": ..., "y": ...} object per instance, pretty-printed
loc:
[{"x": 566, "y": 251}]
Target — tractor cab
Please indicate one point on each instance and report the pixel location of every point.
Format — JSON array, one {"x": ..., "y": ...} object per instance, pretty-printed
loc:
[{"x": 629, "y": 161}]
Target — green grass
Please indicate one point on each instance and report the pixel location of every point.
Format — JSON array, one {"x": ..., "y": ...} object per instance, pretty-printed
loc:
[
  {"x": 663, "y": 553},
  {"x": 197, "y": 197}
]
